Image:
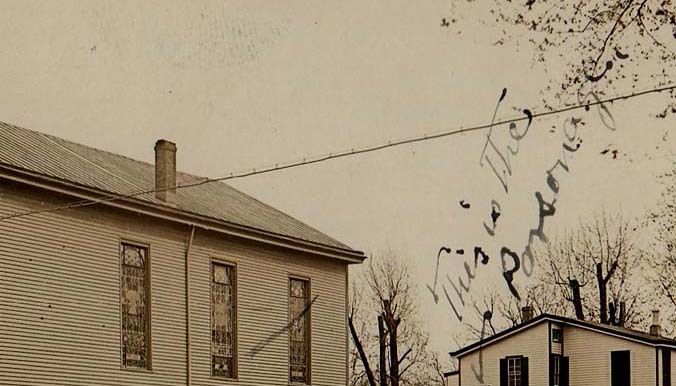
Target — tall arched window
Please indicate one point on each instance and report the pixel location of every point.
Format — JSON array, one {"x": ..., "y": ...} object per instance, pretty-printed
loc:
[
  {"x": 134, "y": 306},
  {"x": 299, "y": 332}
]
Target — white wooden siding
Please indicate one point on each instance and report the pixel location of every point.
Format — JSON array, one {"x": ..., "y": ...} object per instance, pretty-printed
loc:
[
  {"x": 262, "y": 285},
  {"x": 557, "y": 347},
  {"x": 531, "y": 343},
  {"x": 453, "y": 380},
  {"x": 589, "y": 353},
  {"x": 59, "y": 300}
]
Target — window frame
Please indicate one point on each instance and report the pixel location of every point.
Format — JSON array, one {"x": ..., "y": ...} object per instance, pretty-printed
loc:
[
  {"x": 148, "y": 305},
  {"x": 235, "y": 352},
  {"x": 556, "y": 371},
  {"x": 519, "y": 376},
  {"x": 308, "y": 327},
  {"x": 560, "y": 333}
]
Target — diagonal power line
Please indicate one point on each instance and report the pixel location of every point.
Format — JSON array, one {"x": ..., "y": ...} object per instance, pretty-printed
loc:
[{"x": 342, "y": 154}]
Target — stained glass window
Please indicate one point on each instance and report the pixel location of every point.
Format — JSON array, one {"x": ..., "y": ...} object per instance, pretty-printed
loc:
[
  {"x": 134, "y": 306},
  {"x": 299, "y": 333},
  {"x": 222, "y": 321}
]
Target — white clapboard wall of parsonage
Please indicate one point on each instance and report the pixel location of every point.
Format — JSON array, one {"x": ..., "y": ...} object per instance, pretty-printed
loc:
[
  {"x": 531, "y": 343},
  {"x": 59, "y": 300},
  {"x": 589, "y": 353},
  {"x": 557, "y": 347}
]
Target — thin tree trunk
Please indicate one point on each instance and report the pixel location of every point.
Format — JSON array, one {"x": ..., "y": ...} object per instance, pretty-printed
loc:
[
  {"x": 603, "y": 294},
  {"x": 362, "y": 354},
  {"x": 392, "y": 325},
  {"x": 394, "y": 353},
  {"x": 382, "y": 342},
  {"x": 577, "y": 298},
  {"x": 612, "y": 314}
]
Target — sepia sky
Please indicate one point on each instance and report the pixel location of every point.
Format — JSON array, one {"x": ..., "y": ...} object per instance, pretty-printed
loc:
[{"x": 246, "y": 84}]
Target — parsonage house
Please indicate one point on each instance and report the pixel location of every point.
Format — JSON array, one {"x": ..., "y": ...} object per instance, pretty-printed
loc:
[
  {"x": 196, "y": 286},
  {"x": 560, "y": 351}
]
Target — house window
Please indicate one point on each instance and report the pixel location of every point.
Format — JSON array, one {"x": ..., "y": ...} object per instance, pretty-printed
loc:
[
  {"x": 556, "y": 370},
  {"x": 222, "y": 320},
  {"x": 299, "y": 334},
  {"x": 557, "y": 335},
  {"x": 135, "y": 307},
  {"x": 514, "y": 371}
]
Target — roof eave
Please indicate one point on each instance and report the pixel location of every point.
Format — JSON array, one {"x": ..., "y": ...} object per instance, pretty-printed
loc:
[
  {"x": 661, "y": 342},
  {"x": 176, "y": 215},
  {"x": 503, "y": 334}
]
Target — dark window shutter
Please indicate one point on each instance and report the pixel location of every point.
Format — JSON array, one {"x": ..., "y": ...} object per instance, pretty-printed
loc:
[
  {"x": 551, "y": 369},
  {"x": 666, "y": 366},
  {"x": 620, "y": 368},
  {"x": 524, "y": 371},
  {"x": 503, "y": 372},
  {"x": 564, "y": 371}
]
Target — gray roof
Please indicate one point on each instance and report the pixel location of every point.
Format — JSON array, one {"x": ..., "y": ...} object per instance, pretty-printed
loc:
[{"x": 93, "y": 168}]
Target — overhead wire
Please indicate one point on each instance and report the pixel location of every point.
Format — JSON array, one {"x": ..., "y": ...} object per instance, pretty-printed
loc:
[{"x": 342, "y": 154}]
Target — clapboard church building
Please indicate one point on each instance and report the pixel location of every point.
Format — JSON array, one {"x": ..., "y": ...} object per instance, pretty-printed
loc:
[{"x": 198, "y": 286}]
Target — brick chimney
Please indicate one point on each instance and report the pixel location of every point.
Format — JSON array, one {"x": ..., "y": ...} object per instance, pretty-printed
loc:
[
  {"x": 165, "y": 171},
  {"x": 526, "y": 313},
  {"x": 655, "y": 328}
]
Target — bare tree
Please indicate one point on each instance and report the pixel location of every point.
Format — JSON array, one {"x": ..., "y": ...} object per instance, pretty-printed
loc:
[
  {"x": 593, "y": 273},
  {"x": 440, "y": 367},
  {"x": 385, "y": 330},
  {"x": 505, "y": 311},
  {"x": 615, "y": 44},
  {"x": 361, "y": 372},
  {"x": 662, "y": 249},
  {"x": 590, "y": 270}
]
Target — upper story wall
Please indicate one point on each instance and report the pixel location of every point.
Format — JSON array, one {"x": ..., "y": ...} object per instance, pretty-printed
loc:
[
  {"x": 557, "y": 347},
  {"x": 59, "y": 300},
  {"x": 589, "y": 353},
  {"x": 531, "y": 343}
]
